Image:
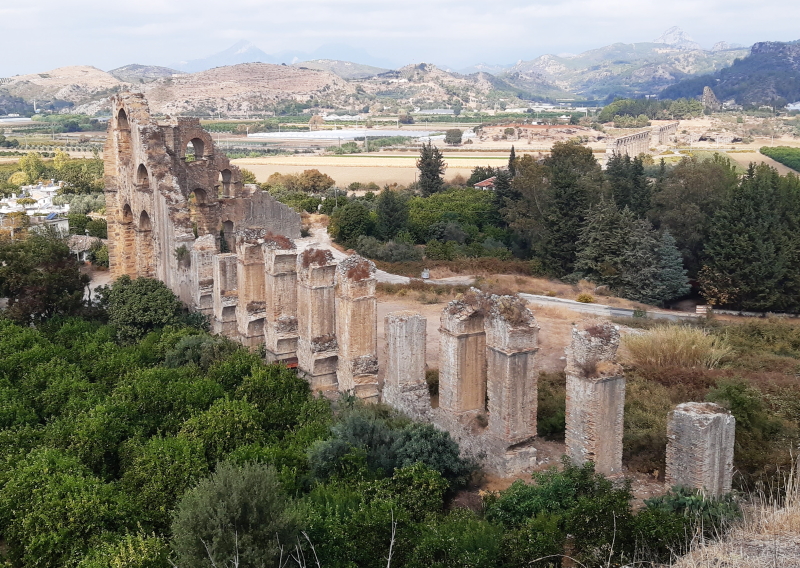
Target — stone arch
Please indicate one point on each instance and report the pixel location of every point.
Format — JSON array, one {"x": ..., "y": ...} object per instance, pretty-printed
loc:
[
  {"x": 142, "y": 177},
  {"x": 227, "y": 239},
  {"x": 199, "y": 212},
  {"x": 122, "y": 119},
  {"x": 225, "y": 183},
  {"x": 195, "y": 149},
  {"x": 145, "y": 247}
]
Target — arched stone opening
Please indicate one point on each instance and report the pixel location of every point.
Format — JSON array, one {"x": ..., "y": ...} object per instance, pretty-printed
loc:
[
  {"x": 145, "y": 248},
  {"x": 195, "y": 150},
  {"x": 122, "y": 120},
  {"x": 227, "y": 242},
  {"x": 126, "y": 247},
  {"x": 225, "y": 183},
  {"x": 198, "y": 212},
  {"x": 142, "y": 177}
]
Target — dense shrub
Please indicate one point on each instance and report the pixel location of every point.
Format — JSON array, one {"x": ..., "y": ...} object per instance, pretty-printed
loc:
[
  {"x": 676, "y": 346},
  {"x": 390, "y": 251}
]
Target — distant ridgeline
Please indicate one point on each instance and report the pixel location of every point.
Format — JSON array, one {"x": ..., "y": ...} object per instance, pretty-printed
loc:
[{"x": 769, "y": 75}]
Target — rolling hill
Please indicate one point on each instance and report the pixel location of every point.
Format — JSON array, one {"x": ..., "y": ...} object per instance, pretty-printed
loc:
[{"x": 770, "y": 74}]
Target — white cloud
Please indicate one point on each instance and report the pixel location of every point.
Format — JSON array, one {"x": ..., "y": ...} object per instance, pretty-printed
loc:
[{"x": 52, "y": 33}]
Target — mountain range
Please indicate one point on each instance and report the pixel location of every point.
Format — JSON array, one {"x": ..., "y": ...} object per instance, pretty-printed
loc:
[{"x": 245, "y": 79}]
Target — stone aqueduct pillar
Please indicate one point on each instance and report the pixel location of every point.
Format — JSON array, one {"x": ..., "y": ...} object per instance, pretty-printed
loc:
[
  {"x": 225, "y": 294},
  {"x": 280, "y": 321},
  {"x": 700, "y": 438},
  {"x": 595, "y": 398},
  {"x": 404, "y": 385},
  {"x": 250, "y": 311},
  {"x": 511, "y": 347},
  {"x": 357, "y": 327},
  {"x": 462, "y": 355},
  {"x": 317, "y": 345}
]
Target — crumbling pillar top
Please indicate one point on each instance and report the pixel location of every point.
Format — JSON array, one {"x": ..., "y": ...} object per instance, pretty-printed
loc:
[
  {"x": 510, "y": 325},
  {"x": 592, "y": 351}
]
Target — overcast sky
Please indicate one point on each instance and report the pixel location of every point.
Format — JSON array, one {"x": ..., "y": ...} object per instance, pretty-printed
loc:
[{"x": 39, "y": 35}]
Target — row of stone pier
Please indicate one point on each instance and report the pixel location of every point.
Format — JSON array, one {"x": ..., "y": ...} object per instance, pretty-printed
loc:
[
  {"x": 488, "y": 369},
  {"x": 321, "y": 316},
  {"x": 307, "y": 310}
]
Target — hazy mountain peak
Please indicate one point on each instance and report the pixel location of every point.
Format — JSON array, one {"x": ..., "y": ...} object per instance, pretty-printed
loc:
[{"x": 676, "y": 37}]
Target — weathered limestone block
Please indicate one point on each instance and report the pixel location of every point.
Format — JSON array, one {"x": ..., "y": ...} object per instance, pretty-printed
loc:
[
  {"x": 404, "y": 385},
  {"x": 225, "y": 294},
  {"x": 202, "y": 278},
  {"x": 700, "y": 438},
  {"x": 462, "y": 355},
  {"x": 595, "y": 398},
  {"x": 251, "y": 309},
  {"x": 280, "y": 322},
  {"x": 317, "y": 345},
  {"x": 511, "y": 347},
  {"x": 357, "y": 327}
]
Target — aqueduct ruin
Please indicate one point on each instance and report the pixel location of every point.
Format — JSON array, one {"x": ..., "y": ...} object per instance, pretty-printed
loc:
[{"x": 178, "y": 211}]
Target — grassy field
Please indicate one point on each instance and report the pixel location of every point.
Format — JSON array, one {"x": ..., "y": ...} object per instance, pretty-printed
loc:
[{"x": 380, "y": 168}]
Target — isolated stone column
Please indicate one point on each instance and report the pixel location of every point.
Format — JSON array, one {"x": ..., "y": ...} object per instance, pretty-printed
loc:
[
  {"x": 357, "y": 327},
  {"x": 251, "y": 308},
  {"x": 462, "y": 355},
  {"x": 511, "y": 347},
  {"x": 202, "y": 274},
  {"x": 595, "y": 398},
  {"x": 225, "y": 295},
  {"x": 700, "y": 437},
  {"x": 280, "y": 321},
  {"x": 317, "y": 347},
  {"x": 404, "y": 385}
]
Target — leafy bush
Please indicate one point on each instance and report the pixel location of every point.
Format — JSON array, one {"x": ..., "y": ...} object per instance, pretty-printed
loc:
[
  {"x": 585, "y": 298},
  {"x": 676, "y": 346},
  {"x": 390, "y": 251},
  {"x": 238, "y": 515}
]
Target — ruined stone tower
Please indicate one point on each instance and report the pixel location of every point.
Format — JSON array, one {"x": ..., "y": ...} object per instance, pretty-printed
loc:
[{"x": 173, "y": 202}]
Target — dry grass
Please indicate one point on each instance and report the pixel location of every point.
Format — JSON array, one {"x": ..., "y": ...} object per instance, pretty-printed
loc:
[
  {"x": 767, "y": 537},
  {"x": 676, "y": 346}
]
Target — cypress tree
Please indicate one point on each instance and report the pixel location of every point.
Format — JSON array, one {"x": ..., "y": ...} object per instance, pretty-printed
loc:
[
  {"x": 431, "y": 169},
  {"x": 392, "y": 213},
  {"x": 575, "y": 184},
  {"x": 512, "y": 162},
  {"x": 747, "y": 254},
  {"x": 672, "y": 279}
]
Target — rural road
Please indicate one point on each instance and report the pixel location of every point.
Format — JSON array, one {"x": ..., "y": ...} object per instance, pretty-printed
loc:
[{"x": 320, "y": 239}]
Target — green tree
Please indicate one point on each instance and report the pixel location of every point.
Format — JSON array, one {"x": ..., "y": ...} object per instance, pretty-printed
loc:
[
  {"x": 40, "y": 278},
  {"x": 686, "y": 198},
  {"x": 628, "y": 183},
  {"x": 225, "y": 426},
  {"x": 672, "y": 279},
  {"x": 392, "y": 210},
  {"x": 248, "y": 176},
  {"x": 33, "y": 166},
  {"x": 453, "y": 136},
  {"x": 129, "y": 551},
  {"x": 554, "y": 199},
  {"x": 52, "y": 510},
  {"x": 139, "y": 306},
  {"x": 748, "y": 249},
  {"x": 239, "y": 516},
  {"x": 350, "y": 222},
  {"x": 431, "y": 168},
  {"x": 512, "y": 159},
  {"x": 158, "y": 472}
]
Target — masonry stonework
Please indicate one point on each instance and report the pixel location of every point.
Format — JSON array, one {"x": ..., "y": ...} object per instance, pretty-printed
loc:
[
  {"x": 700, "y": 439},
  {"x": 404, "y": 385},
  {"x": 357, "y": 327},
  {"x": 595, "y": 398},
  {"x": 317, "y": 344}
]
